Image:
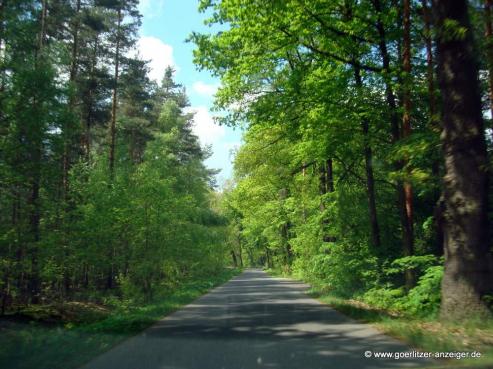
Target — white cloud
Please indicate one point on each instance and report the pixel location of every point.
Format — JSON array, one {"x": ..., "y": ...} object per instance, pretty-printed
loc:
[
  {"x": 151, "y": 8},
  {"x": 204, "y": 127},
  {"x": 159, "y": 54},
  {"x": 205, "y": 89}
]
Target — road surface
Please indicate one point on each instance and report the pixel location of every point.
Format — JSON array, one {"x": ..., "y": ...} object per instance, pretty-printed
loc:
[{"x": 255, "y": 321}]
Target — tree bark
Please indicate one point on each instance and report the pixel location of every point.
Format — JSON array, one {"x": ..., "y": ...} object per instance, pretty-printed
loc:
[
  {"x": 3, "y": 4},
  {"x": 115, "y": 97},
  {"x": 34, "y": 284},
  {"x": 370, "y": 180},
  {"x": 284, "y": 231},
  {"x": 489, "y": 49},
  {"x": 468, "y": 273},
  {"x": 407, "y": 234},
  {"x": 406, "y": 132},
  {"x": 240, "y": 255},
  {"x": 34, "y": 219},
  {"x": 86, "y": 126},
  {"x": 72, "y": 77},
  {"x": 430, "y": 75},
  {"x": 322, "y": 189},
  {"x": 330, "y": 175},
  {"x": 326, "y": 185},
  {"x": 433, "y": 120},
  {"x": 233, "y": 257}
]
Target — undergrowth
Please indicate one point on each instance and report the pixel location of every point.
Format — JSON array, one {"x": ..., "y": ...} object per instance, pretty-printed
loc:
[{"x": 36, "y": 339}]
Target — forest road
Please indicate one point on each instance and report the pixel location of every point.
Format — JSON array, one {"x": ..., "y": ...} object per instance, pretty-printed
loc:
[{"x": 256, "y": 321}]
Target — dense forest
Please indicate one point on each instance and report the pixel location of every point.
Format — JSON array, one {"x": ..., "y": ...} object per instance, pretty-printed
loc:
[
  {"x": 368, "y": 141},
  {"x": 365, "y": 170},
  {"x": 103, "y": 190},
  {"x": 365, "y": 166}
]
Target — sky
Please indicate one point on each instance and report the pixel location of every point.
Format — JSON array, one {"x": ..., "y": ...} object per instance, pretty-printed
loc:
[{"x": 166, "y": 24}]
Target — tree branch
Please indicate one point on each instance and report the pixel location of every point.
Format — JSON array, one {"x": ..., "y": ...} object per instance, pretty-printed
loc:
[{"x": 328, "y": 54}]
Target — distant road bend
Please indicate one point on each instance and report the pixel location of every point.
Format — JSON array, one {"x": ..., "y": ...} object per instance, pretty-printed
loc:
[{"x": 255, "y": 321}]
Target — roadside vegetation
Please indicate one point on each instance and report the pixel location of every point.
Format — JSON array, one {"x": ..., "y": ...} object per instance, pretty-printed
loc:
[
  {"x": 421, "y": 331},
  {"x": 425, "y": 333},
  {"x": 67, "y": 335},
  {"x": 365, "y": 167},
  {"x": 366, "y": 163},
  {"x": 108, "y": 215}
]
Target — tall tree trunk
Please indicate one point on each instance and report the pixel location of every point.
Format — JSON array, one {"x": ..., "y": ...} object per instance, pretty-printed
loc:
[
  {"x": 329, "y": 185},
  {"x": 322, "y": 189},
  {"x": 42, "y": 31},
  {"x": 430, "y": 74},
  {"x": 284, "y": 231},
  {"x": 112, "y": 133},
  {"x": 74, "y": 63},
  {"x": 115, "y": 96},
  {"x": 322, "y": 183},
  {"x": 68, "y": 143},
  {"x": 233, "y": 257},
  {"x": 468, "y": 261},
  {"x": 370, "y": 180},
  {"x": 270, "y": 263},
  {"x": 433, "y": 121},
  {"x": 303, "y": 205},
  {"x": 489, "y": 49},
  {"x": 406, "y": 132},
  {"x": 33, "y": 201},
  {"x": 329, "y": 171},
  {"x": 326, "y": 185},
  {"x": 86, "y": 126},
  {"x": 34, "y": 219},
  {"x": 240, "y": 251},
  {"x": 3, "y": 4},
  {"x": 407, "y": 235}
]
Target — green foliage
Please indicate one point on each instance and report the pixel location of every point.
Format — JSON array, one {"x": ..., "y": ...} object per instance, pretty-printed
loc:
[
  {"x": 421, "y": 301},
  {"x": 416, "y": 263},
  {"x": 384, "y": 298},
  {"x": 345, "y": 269},
  {"x": 75, "y": 221},
  {"x": 319, "y": 181},
  {"x": 427, "y": 334},
  {"x": 26, "y": 345},
  {"x": 424, "y": 299}
]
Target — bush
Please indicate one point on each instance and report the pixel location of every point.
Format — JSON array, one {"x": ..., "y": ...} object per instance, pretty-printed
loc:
[
  {"x": 424, "y": 299},
  {"x": 385, "y": 297},
  {"x": 345, "y": 269},
  {"x": 418, "y": 263}
]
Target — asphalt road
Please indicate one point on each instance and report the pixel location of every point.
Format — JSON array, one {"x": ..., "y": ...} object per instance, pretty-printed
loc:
[{"x": 255, "y": 321}]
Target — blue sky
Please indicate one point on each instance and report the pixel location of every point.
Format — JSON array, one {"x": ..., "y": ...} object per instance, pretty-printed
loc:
[{"x": 166, "y": 24}]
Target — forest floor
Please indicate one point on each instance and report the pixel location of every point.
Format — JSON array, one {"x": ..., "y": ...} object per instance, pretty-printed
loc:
[
  {"x": 424, "y": 334},
  {"x": 69, "y": 335}
]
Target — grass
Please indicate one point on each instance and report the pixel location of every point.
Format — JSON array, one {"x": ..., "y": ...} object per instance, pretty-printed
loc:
[
  {"x": 428, "y": 334},
  {"x": 46, "y": 342}
]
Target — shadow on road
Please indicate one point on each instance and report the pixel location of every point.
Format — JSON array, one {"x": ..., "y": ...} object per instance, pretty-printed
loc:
[{"x": 255, "y": 321}]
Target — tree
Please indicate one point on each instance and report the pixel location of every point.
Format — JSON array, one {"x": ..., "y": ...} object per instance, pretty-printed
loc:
[
  {"x": 122, "y": 38},
  {"x": 468, "y": 264},
  {"x": 346, "y": 82},
  {"x": 66, "y": 230}
]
